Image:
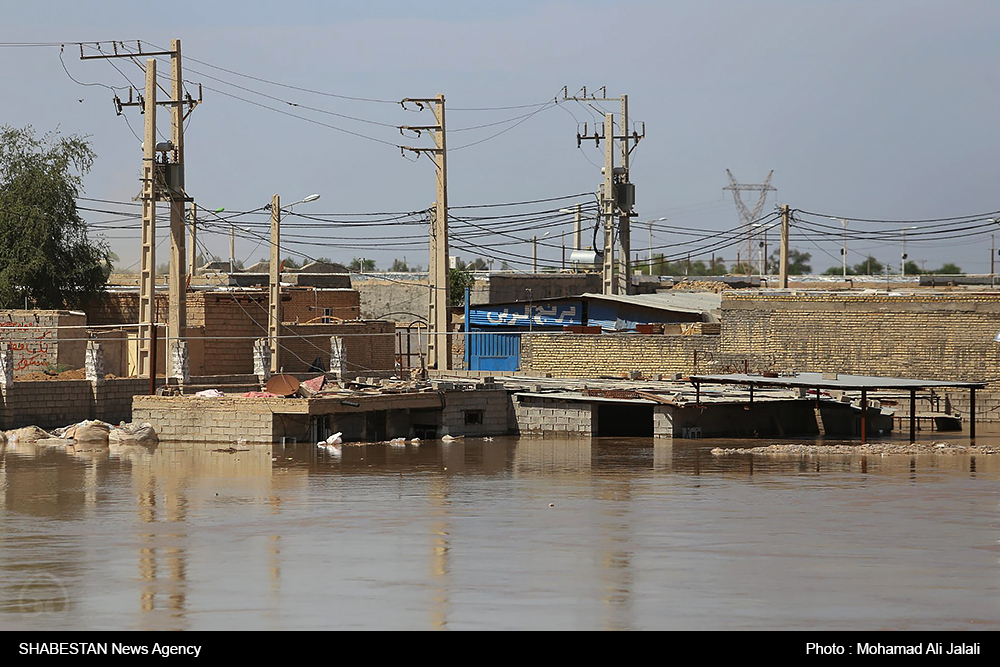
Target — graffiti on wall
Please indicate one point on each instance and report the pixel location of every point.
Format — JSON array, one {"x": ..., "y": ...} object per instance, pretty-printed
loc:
[{"x": 29, "y": 342}]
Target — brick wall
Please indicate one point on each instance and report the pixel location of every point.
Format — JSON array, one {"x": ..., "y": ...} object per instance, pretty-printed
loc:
[
  {"x": 933, "y": 336},
  {"x": 568, "y": 355},
  {"x": 303, "y": 305},
  {"x": 370, "y": 346}
]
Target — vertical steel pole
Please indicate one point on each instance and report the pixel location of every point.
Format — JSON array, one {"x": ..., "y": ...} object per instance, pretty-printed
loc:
[{"x": 913, "y": 415}]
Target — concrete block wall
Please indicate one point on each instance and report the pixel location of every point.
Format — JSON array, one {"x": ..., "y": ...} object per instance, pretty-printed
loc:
[
  {"x": 545, "y": 415},
  {"x": 219, "y": 420},
  {"x": 591, "y": 355},
  {"x": 495, "y": 406},
  {"x": 54, "y": 403},
  {"x": 39, "y": 340}
]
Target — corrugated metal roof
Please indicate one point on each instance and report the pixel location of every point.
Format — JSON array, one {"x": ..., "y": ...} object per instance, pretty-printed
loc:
[
  {"x": 680, "y": 302},
  {"x": 838, "y": 381}
]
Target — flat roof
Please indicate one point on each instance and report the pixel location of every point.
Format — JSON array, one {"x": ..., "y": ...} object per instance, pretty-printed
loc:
[{"x": 833, "y": 381}]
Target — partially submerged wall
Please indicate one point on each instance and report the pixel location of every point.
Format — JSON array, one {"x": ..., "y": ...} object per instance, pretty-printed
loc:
[
  {"x": 54, "y": 403},
  {"x": 231, "y": 419}
]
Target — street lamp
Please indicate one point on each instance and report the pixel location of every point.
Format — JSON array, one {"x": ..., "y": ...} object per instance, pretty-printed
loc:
[
  {"x": 534, "y": 252},
  {"x": 763, "y": 255},
  {"x": 649, "y": 224}
]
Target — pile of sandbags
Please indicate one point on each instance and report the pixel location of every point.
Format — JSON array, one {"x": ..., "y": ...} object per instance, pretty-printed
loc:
[{"x": 88, "y": 433}]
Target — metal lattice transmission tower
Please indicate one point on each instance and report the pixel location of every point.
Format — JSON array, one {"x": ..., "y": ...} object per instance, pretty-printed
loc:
[{"x": 748, "y": 217}]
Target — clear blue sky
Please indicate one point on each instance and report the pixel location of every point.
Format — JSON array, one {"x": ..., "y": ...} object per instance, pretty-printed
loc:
[{"x": 873, "y": 109}]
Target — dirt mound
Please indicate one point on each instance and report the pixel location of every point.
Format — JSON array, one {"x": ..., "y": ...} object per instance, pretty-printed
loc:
[{"x": 75, "y": 374}]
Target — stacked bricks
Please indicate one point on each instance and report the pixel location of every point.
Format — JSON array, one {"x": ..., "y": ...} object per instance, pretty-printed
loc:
[
  {"x": 94, "y": 363},
  {"x": 6, "y": 366},
  {"x": 180, "y": 361},
  {"x": 262, "y": 359}
]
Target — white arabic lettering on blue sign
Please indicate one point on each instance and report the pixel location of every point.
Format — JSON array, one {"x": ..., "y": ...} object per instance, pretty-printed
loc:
[{"x": 541, "y": 315}]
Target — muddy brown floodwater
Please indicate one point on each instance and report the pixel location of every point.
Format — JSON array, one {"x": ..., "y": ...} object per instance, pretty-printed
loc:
[{"x": 507, "y": 534}]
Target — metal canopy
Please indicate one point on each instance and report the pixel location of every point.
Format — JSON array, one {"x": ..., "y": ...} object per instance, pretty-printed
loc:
[{"x": 825, "y": 381}]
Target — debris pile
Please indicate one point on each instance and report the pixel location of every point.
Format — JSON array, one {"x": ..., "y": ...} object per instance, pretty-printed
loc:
[{"x": 870, "y": 449}]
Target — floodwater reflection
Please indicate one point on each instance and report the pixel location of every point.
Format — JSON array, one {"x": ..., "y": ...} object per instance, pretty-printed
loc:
[{"x": 556, "y": 533}]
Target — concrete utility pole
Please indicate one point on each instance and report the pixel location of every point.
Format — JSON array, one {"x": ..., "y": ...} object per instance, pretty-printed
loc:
[
  {"x": 746, "y": 216},
  {"x": 274, "y": 287},
  {"x": 617, "y": 197},
  {"x": 161, "y": 182},
  {"x": 625, "y": 207},
  {"x": 147, "y": 267},
  {"x": 785, "y": 217},
  {"x": 608, "y": 208},
  {"x": 438, "y": 341},
  {"x": 177, "y": 319}
]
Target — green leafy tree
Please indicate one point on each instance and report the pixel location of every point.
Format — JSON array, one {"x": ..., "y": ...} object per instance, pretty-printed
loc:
[
  {"x": 458, "y": 280},
  {"x": 798, "y": 262},
  {"x": 949, "y": 269},
  {"x": 358, "y": 265},
  {"x": 399, "y": 267},
  {"x": 46, "y": 256}
]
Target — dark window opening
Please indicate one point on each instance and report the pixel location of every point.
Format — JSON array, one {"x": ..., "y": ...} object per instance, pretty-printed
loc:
[{"x": 473, "y": 417}]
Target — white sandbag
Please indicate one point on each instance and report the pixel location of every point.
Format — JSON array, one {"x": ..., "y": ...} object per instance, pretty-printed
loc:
[
  {"x": 134, "y": 434},
  {"x": 89, "y": 432}
]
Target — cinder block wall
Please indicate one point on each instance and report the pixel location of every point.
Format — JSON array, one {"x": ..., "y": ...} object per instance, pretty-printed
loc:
[
  {"x": 54, "y": 403},
  {"x": 39, "y": 340},
  {"x": 545, "y": 415},
  {"x": 583, "y": 355},
  {"x": 218, "y": 420},
  {"x": 494, "y": 408}
]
